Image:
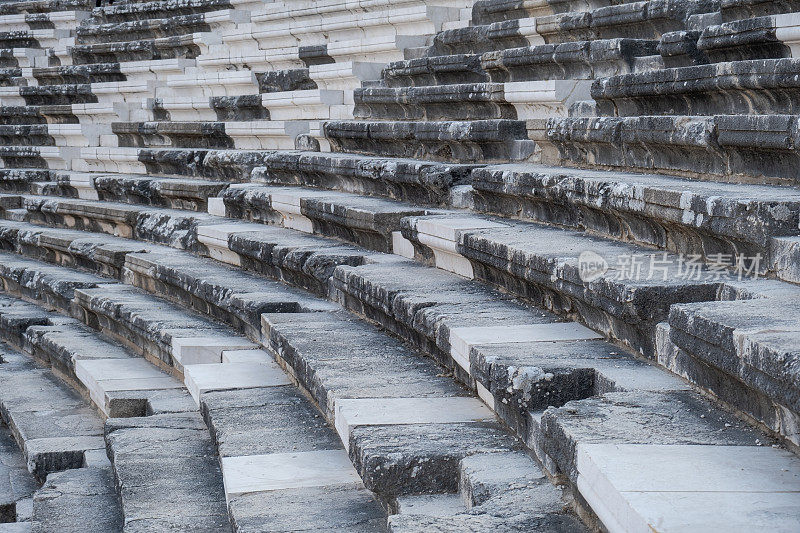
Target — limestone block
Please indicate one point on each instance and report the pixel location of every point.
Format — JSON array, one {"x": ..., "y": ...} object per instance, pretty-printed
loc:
[
  {"x": 352, "y": 412},
  {"x": 207, "y": 84},
  {"x": 545, "y": 98},
  {"x": 202, "y": 378},
  {"x": 787, "y": 30},
  {"x": 265, "y": 135},
  {"x": 101, "y": 376},
  {"x": 302, "y": 105},
  {"x": 205, "y": 350},
  {"x": 280, "y": 471},
  {"x": 245, "y": 356},
  {"x": 639, "y": 487}
]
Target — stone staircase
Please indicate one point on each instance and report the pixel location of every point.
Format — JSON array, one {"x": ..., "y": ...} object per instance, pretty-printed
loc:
[{"x": 398, "y": 266}]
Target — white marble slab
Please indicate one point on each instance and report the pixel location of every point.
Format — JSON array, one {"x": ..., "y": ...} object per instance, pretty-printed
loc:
[
  {"x": 277, "y": 471},
  {"x": 205, "y": 350},
  {"x": 682, "y": 488},
  {"x": 352, "y": 412},
  {"x": 225, "y": 376},
  {"x": 246, "y": 356}
]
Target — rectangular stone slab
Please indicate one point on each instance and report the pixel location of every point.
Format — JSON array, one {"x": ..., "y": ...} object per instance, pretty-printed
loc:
[
  {"x": 260, "y": 473},
  {"x": 203, "y": 378},
  {"x": 352, "y": 412},
  {"x": 204, "y": 350},
  {"x": 634, "y": 487}
]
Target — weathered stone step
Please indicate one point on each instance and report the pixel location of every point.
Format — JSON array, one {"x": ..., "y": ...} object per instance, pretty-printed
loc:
[
  {"x": 763, "y": 37},
  {"x": 18, "y": 485},
  {"x": 77, "y": 500},
  {"x": 25, "y": 134},
  {"x": 42, "y": 6},
  {"x": 571, "y": 60},
  {"x": 22, "y": 115},
  {"x": 54, "y": 428},
  {"x": 126, "y": 11},
  {"x": 738, "y": 148},
  {"x": 745, "y": 9},
  {"x": 367, "y": 221},
  {"x": 677, "y": 214},
  {"x": 177, "y": 47},
  {"x": 513, "y": 100},
  {"x": 78, "y": 74},
  {"x": 253, "y": 429},
  {"x": 62, "y": 20},
  {"x": 743, "y": 87},
  {"x": 603, "y": 444},
  {"x": 142, "y": 29},
  {"x": 459, "y": 141},
  {"x": 173, "y": 452}
]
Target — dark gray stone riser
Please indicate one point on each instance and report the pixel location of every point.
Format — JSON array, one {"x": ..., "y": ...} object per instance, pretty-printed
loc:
[
  {"x": 489, "y": 11},
  {"x": 747, "y": 9},
  {"x": 638, "y": 20},
  {"x": 209, "y": 135},
  {"x": 747, "y": 88},
  {"x": 180, "y": 47},
  {"x": 44, "y": 6},
  {"x": 571, "y": 60},
  {"x": 18, "y": 39},
  {"x": 192, "y": 196},
  {"x": 54, "y": 95},
  {"x": 134, "y": 30},
  {"x": 22, "y": 157},
  {"x": 25, "y": 135},
  {"x": 735, "y": 148},
  {"x": 78, "y": 74},
  {"x": 451, "y": 102},
  {"x": 460, "y": 142},
  {"x": 124, "y": 12},
  {"x": 752, "y": 38}
]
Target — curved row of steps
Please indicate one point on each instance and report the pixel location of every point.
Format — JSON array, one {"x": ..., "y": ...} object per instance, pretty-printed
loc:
[{"x": 646, "y": 398}]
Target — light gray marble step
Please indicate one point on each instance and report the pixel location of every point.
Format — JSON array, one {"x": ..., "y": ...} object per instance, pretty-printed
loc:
[
  {"x": 53, "y": 426},
  {"x": 17, "y": 485},
  {"x": 258, "y": 425}
]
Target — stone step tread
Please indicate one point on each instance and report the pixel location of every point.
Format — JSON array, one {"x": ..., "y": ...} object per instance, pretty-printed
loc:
[
  {"x": 52, "y": 425},
  {"x": 173, "y": 452},
  {"x": 70, "y": 500},
  {"x": 17, "y": 485}
]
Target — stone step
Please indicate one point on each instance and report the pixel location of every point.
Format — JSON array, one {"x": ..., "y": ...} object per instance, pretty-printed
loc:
[
  {"x": 53, "y": 426},
  {"x": 571, "y": 60},
  {"x": 280, "y": 458},
  {"x": 126, "y": 11},
  {"x": 71, "y": 499},
  {"x": 742, "y": 87},
  {"x": 737, "y": 148},
  {"x": 457, "y": 141},
  {"x": 713, "y": 217},
  {"x": 142, "y": 29},
  {"x": 745, "y": 9},
  {"x": 27, "y": 134},
  {"x": 18, "y": 485},
  {"x": 603, "y": 443},
  {"x": 488, "y": 11},
  {"x": 177, "y": 47},
  {"x": 765, "y": 37},
  {"x": 60, "y": 20},
  {"x": 513, "y": 100},
  {"x": 622, "y": 373},
  {"x": 172, "y": 451}
]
